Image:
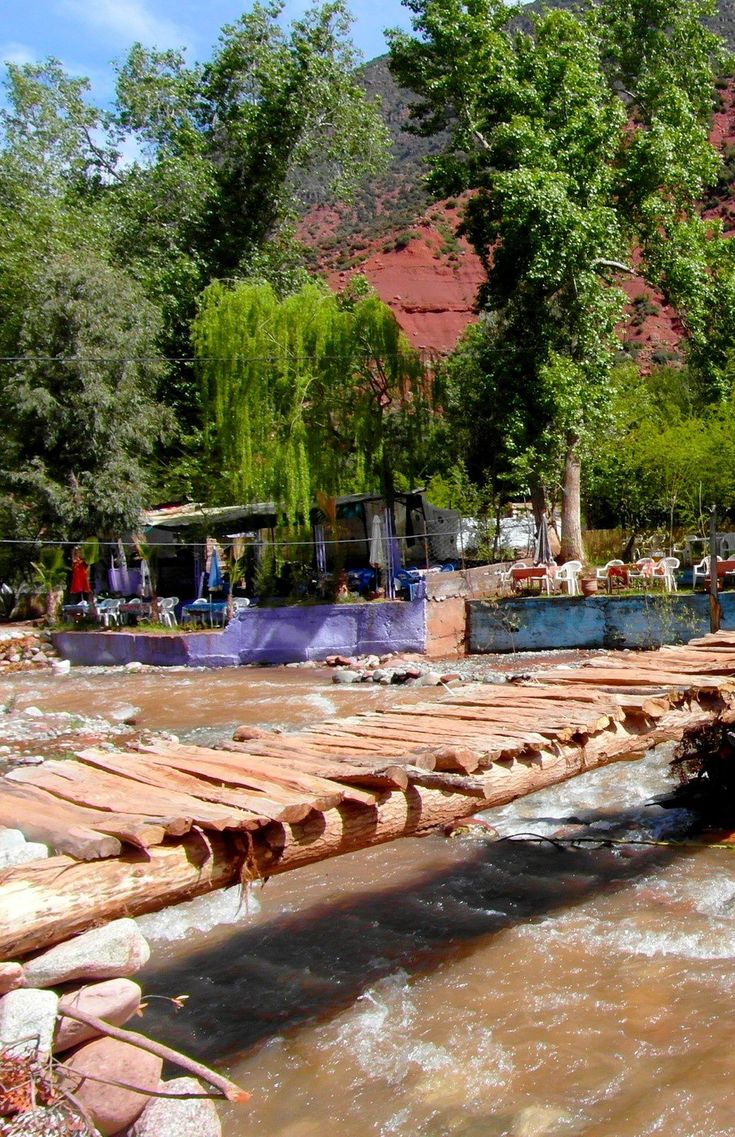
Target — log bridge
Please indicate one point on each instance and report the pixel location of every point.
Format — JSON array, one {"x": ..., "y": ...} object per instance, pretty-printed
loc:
[{"x": 135, "y": 832}]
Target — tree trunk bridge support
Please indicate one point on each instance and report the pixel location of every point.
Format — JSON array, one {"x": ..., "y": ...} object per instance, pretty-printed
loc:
[{"x": 138, "y": 831}]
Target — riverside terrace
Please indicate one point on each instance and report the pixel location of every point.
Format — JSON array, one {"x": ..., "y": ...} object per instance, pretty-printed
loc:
[{"x": 447, "y": 623}]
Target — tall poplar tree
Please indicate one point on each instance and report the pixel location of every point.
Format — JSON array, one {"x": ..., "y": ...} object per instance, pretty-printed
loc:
[{"x": 582, "y": 142}]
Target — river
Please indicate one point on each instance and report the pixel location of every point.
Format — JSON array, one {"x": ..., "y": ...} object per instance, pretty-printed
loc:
[{"x": 448, "y": 987}]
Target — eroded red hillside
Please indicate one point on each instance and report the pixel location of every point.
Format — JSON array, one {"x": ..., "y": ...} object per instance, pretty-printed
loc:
[{"x": 430, "y": 276}]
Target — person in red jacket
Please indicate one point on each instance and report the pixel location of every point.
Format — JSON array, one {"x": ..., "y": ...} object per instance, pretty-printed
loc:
[{"x": 80, "y": 585}]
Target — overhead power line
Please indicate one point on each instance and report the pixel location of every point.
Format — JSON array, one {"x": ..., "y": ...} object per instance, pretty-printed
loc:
[{"x": 72, "y": 359}]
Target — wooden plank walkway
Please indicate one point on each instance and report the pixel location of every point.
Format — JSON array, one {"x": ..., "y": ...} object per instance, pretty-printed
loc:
[{"x": 271, "y": 803}]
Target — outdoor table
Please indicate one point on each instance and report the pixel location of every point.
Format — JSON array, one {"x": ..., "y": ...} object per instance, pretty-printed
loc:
[
  {"x": 76, "y": 611},
  {"x": 214, "y": 612},
  {"x": 618, "y": 573},
  {"x": 724, "y": 569},
  {"x": 129, "y": 611},
  {"x": 525, "y": 577}
]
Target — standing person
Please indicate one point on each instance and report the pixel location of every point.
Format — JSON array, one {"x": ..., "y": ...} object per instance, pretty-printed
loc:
[{"x": 80, "y": 585}]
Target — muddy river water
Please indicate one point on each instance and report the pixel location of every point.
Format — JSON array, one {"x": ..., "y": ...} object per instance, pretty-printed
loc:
[{"x": 447, "y": 986}]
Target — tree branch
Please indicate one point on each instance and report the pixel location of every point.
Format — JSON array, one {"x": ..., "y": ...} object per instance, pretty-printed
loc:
[
  {"x": 231, "y": 1091},
  {"x": 604, "y": 263}
]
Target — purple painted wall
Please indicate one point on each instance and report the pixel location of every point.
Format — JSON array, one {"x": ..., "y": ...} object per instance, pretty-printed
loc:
[{"x": 262, "y": 635}]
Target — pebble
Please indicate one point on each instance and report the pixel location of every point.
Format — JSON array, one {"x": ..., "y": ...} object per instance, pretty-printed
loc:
[
  {"x": 186, "y": 1118},
  {"x": 134, "y": 665},
  {"x": 429, "y": 679},
  {"x": 346, "y": 676},
  {"x": 33, "y": 712},
  {"x": 60, "y": 666},
  {"x": 27, "y": 1021},
  {"x": 116, "y": 949}
]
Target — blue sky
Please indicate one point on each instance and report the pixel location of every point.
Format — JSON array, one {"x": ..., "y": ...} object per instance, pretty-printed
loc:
[{"x": 87, "y": 35}]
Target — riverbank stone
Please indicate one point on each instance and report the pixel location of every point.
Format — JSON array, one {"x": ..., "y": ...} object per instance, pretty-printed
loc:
[
  {"x": 189, "y": 1117},
  {"x": 117, "y": 949},
  {"x": 27, "y": 1021},
  {"x": 114, "y": 1001},
  {"x": 11, "y": 977},
  {"x": 112, "y": 1108},
  {"x": 23, "y": 854}
]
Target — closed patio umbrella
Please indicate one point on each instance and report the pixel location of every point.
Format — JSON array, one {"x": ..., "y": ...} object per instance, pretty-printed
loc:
[
  {"x": 542, "y": 552},
  {"x": 216, "y": 580},
  {"x": 377, "y": 547}
]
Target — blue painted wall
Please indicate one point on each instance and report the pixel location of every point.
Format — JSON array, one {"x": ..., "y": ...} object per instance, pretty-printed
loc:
[
  {"x": 262, "y": 635},
  {"x": 537, "y": 624}
]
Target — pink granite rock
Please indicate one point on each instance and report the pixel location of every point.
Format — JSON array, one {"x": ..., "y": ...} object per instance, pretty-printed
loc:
[
  {"x": 109, "y": 1107},
  {"x": 114, "y": 1001},
  {"x": 11, "y": 977}
]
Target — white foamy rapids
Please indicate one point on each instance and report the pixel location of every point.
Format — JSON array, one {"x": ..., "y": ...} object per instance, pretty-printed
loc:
[
  {"x": 627, "y": 786},
  {"x": 384, "y": 1035},
  {"x": 640, "y": 934},
  {"x": 228, "y": 906}
]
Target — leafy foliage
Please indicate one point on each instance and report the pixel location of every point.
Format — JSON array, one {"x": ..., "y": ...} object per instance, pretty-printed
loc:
[
  {"x": 309, "y": 392},
  {"x": 581, "y": 141},
  {"x": 80, "y": 423}
]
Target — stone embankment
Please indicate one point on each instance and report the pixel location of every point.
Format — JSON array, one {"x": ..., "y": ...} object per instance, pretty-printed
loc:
[
  {"x": 26, "y": 648},
  {"x": 56, "y": 1010}
]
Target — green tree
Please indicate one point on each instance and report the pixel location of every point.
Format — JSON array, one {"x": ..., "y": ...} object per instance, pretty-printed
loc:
[
  {"x": 308, "y": 393},
  {"x": 79, "y": 418},
  {"x": 581, "y": 142}
]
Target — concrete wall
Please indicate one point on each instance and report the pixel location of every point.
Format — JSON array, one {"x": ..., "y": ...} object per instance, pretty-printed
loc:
[
  {"x": 535, "y": 624},
  {"x": 262, "y": 635},
  {"x": 446, "y": 627}
]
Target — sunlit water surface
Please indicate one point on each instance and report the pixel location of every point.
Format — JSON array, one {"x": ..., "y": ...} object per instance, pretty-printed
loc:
[{"x": 450, "y": 987}]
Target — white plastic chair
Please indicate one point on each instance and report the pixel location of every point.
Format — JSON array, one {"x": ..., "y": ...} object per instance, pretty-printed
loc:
[
  {"x": 506, "y": 578},
  {"x": 701, "y": 571},
  {"x": 108, "y": 612},
  {"x": 168, "y": 615},
  {"x": 602, "y": 573},
  {"x": 568, "y": 574}
]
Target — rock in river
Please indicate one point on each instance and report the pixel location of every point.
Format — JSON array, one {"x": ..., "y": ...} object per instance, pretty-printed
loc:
[{"x": 103, "y": 953}]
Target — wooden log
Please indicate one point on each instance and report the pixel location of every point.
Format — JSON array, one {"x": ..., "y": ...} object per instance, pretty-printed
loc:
[
  {"x": 303, "y": 803},
  {"x": 78, "y": 783},
  {"x": 49, "y": 901},
  {"x": 130, "y": 766},
  {"x": 323, "y": 793},
  {"x": 452, "y": 783},
  {"x": 55, "y": 823},
  {"x": 42, "y": 807},
  {"x": 386, "y": 777}
]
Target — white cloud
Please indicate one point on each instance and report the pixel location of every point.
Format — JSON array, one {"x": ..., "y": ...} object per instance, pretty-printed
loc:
[
  {"x": 17, "y": 53},
  {"x": 127, "y": 21}
]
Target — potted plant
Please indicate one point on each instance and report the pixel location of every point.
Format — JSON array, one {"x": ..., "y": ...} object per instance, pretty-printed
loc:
[{"x": 588, "y": 582}]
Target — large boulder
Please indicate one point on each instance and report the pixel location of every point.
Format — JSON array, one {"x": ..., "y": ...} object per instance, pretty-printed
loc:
[
  {"x": 103, "y": 953},
  {"x": 114, "y": 1001},
  {"x": 187, "y": 1117},
  {"x": 112, "y": 1108},
  {"x": 27, "y": 1021}
]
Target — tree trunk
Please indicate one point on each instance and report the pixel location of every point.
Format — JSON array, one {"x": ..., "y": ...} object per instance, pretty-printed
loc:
[{"x": 572, "y": 545}]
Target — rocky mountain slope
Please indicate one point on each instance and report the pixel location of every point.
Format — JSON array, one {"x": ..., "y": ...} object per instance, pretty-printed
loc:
[{"x": 410, "y": 250}]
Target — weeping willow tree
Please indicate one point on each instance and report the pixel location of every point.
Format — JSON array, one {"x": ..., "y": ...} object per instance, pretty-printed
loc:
[{"x": 309, "y": 392}]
